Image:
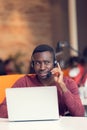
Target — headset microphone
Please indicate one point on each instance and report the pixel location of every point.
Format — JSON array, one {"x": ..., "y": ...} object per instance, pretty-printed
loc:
[{"x": 49, "y": 74}]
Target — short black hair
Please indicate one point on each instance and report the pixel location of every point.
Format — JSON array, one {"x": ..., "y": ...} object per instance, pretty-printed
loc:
[{"x": 44, "y": 47}]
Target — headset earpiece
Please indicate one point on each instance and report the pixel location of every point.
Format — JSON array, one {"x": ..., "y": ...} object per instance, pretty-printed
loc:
[{"x": 55, "y": 63}]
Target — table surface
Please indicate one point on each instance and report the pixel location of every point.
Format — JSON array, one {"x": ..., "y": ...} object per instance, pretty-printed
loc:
[{"x": 64, "y": 123}]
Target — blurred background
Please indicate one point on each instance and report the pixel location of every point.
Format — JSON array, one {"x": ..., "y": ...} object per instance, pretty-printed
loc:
[{"x": 26, "y": 24}]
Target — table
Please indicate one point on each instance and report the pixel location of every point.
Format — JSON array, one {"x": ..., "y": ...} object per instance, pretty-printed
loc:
[{"x": 64, "y": 123}]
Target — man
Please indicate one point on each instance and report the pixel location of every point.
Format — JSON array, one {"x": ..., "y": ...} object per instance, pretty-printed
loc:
[{"x": 48, "y": 73}]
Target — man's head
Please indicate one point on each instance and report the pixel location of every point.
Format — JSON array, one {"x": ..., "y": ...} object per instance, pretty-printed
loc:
[{"x": 43, "y": 60}]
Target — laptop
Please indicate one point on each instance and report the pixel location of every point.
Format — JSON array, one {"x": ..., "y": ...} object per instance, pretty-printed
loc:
[{"x": 32, "y": 103}]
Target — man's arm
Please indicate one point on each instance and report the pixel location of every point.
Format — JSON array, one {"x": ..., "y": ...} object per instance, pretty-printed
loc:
[
  {"x": 72, "y": 99},
  {"x": 70, "y": 92},
  {"x": 3, "y": 109}
]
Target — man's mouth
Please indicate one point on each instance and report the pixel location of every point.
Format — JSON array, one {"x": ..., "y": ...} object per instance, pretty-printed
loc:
[{"x": 44, "y": 75}]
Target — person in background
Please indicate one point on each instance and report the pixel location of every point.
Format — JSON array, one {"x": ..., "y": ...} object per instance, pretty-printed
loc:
[
  {"x": 47, "y": 72},
  {"x": 2, "y": 68},
  {"x": 10, "y": 67},
  {"x": 79, "y": 70},
  {"x": 76, "y": 68}
]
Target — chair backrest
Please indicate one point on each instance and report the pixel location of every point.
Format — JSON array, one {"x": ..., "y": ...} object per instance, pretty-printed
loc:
[
  {"x": 7, "y": 81},
  {"x": 66, "y": 71}
]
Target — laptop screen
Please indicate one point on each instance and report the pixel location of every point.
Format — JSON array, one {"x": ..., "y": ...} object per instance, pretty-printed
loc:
[{"x": 32, "y": 103}]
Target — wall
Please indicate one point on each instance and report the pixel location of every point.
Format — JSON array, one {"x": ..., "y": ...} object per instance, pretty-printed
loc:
[{"x": 23, "y": 25}]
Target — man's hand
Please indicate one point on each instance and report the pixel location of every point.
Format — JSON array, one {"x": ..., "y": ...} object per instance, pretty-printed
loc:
[{"x": 58, "y": 77}]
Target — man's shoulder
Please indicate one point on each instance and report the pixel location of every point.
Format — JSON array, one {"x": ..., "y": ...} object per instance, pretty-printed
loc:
[
  {"x": 25, "y": 77},
  {"x": 25, "y": 80},
  {"x": 28, "y": 77}
]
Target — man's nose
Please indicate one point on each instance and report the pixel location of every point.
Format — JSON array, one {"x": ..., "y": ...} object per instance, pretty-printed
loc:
[{"x": 42, "y": 65}]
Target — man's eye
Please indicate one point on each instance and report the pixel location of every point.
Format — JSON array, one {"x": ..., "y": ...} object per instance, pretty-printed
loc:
[
  {"x": 36, "y": 62},
  {"x": 46, "y": 62},
  {"x": 40, "y": 63}
]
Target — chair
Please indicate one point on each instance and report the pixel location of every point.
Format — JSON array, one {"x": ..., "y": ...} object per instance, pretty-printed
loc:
[
  {"x": 66, "y": 71},
  {"x": 7, "y": 81}
]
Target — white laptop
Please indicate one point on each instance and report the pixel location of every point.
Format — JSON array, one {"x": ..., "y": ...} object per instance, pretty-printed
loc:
[{"x": 32, "y": 103}]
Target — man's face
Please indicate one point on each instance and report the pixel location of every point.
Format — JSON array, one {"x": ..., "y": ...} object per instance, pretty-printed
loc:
[{"x": 43, "y": 63}]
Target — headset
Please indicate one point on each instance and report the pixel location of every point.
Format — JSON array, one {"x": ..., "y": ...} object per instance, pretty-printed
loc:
[
  {"x": 55, "y": 63},
  {"x": 43, "y": 48},
  {"x": 49, "y": 73}
]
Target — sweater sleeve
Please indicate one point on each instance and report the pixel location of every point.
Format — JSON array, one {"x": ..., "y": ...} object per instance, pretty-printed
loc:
[
  {"x": 3, "y": 110},
  {"x": 72, "y": 99}
]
